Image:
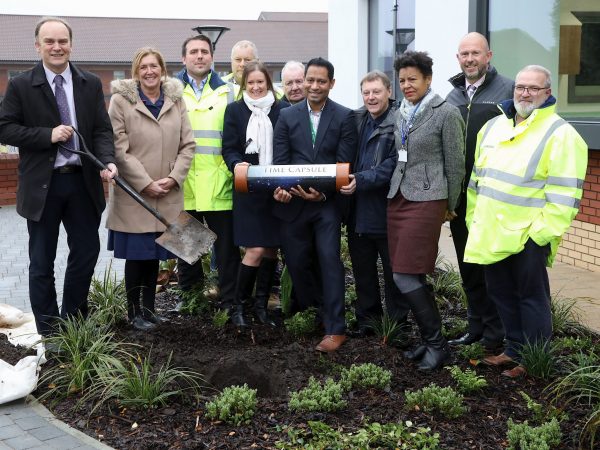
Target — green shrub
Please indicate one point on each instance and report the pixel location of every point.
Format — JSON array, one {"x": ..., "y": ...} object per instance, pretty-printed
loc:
[
  {"x": 467, "y": 381},
  {"x": 137, "y": 385},
  {"x": 522, "y": 436},
  {"x": 82, "y": 347},
  {"x": 351, "y": 320},
  {"x": 454, "y": 326},
  {"x": 540, "y": 412},
  {"x": 581, "y": 388},
  {"x": 107, "y": 298},
  {"x": 235, "y": 405},
  {"x": 435, "y": 398},
  {"x": 220, "y": 318},
  {"x": 195, "y": 300},
  {"x": 474, "y": 351},
  {"x": 365, "y": 376},
  {"x": 572, "y": 343},
  {"x": 565, "y": 317},
  {"x": 539, "y": 359},
  {"x": 318, "y": 436},
  {"x": 302, "y": 323},
  {"x": 447, "y": 283},
  {"x": 285, "y": 292},
  {"x": 319, "y": 397},
  {"x": 389, "y": 330}
]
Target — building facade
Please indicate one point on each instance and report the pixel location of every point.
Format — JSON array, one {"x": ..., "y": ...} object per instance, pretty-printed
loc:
[{"x": 562, "y": 35}]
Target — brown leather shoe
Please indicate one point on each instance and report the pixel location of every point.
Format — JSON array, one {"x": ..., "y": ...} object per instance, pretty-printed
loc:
[
  {"x": 501, "y": 360},
  {"x": 331, "y": 343},
  {"x": 516, "y": 372}
]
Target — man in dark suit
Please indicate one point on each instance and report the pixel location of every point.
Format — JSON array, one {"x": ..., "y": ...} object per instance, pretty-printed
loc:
[
  {"x": 315, "y": 131},
  {"x": 40, "y": 110}
]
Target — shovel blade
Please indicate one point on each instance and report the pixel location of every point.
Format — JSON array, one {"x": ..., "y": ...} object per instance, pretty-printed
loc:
[{"x": 187, "y": 238}]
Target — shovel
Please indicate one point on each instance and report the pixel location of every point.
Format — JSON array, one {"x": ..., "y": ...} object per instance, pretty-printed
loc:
[{"x": 186, "y": 238}]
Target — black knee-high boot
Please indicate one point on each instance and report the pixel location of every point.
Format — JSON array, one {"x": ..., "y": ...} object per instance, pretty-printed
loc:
[
  {"x": 243, "y": 291},
  {"x": 434, "y": 351},
  {"x": 264, "y": 283},
  {"x": 150, "y": 276},
  {"x": 134, "y": 279}
]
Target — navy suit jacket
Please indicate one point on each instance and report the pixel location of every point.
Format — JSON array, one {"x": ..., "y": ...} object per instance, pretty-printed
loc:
[
  {"x": 27, "y": 116},
  {"x": 336, "y": 141}
]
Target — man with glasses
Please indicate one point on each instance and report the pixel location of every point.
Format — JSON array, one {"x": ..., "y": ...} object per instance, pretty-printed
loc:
[
  {"x": 523, "y": 194},
  {"x": 477, "y": 90}
]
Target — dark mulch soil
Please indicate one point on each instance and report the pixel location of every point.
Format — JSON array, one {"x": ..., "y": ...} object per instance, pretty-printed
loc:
[
  {"x": 271, "y": 361},
  {"x": 12, "y": 354}
]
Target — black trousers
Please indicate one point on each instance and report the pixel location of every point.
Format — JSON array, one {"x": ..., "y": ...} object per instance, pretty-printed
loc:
[
  {"x": 519, "y": 287},
  {"x": 226, "y": 252},
  {"x": 481, "y": 310},
  {"x": 68, "y": 202},
  {"x": 318, "y": 227},
  {"x": 364, "y": 251}
]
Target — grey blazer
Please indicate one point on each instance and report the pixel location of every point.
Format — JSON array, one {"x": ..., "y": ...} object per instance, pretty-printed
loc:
[{"x": 436, "y": 155}]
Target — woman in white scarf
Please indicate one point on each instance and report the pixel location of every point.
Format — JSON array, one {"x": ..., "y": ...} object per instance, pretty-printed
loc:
[{"x": 248, "y": 139}]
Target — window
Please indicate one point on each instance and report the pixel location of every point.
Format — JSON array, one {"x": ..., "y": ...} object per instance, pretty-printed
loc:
[
  {"x": 118, "y": 75},
  {"x": 561, "y": 35},
  {"x": 14, "y": 73}
]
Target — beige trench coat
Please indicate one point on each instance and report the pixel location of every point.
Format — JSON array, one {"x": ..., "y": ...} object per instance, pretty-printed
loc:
[{"x": 148, "y": 149}]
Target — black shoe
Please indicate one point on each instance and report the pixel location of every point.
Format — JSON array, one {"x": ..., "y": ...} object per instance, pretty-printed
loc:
[
  {"x": 237, "y": 317},
  {"x": 467, "y": 339},
  {"x": 155, "y": 318},
  {"x": 416, "y": 354},
  {"x": 434, "y": 358},
  {"x": 141, "y": 324}
]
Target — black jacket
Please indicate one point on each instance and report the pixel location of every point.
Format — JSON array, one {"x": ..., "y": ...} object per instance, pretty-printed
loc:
[
  {"x": 482, "y": 107},
  {"x": 373, "y": 170},
  {"x": 27, "y": 116}
]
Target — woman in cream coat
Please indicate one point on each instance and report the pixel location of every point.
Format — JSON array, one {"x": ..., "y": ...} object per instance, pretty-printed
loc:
[{"x": 154, "y": 146}]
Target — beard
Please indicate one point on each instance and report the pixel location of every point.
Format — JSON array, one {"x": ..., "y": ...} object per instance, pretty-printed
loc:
[
  {"x": 473, "y": 77},
  {"x": 524, "y": 109}
]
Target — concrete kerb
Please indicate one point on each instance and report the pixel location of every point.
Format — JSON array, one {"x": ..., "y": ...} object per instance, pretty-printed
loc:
[{"x": 40, "y": 410}]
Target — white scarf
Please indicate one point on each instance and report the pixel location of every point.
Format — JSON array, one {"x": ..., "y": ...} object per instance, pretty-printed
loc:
[
  {"x": 407, "y": 109},
  {"x": 259, "y": 132}
]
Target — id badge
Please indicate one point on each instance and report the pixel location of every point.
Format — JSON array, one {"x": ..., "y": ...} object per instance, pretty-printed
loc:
[{"x": 402, "y": 155}]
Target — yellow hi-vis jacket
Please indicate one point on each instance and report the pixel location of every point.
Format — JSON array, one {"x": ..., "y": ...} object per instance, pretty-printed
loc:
[
  {"x": 209, "y": 184},
  {"x": 527, "y": 182}
]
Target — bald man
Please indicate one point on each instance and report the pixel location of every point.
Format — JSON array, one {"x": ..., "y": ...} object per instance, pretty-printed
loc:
[{"x": 478, "y": 88}]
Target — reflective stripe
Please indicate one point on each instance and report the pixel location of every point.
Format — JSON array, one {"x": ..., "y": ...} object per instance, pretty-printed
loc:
[
  {"x": 472, "y": 184},
  {"x": 562, "y": 200},
  {"x": 208, "y": 134},
  {"x": 539, "y": 151},
  {"x": 231, "y": 93},
  {"x": 207, "y": 150},
  {"x": 566, "y": 182},
  {"x": 509, "y": 178},
  {"x": 487, "y": 191},
  {"x": 489, "y": 127}
]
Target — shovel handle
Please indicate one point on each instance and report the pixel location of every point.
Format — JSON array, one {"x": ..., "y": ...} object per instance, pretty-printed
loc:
[{"x": 121, "y": 182}]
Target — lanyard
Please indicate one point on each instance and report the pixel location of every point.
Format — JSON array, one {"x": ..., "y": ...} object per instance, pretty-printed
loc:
[
  {"x": 313, "y": 132},
  {"x": 407, "y": 125}
]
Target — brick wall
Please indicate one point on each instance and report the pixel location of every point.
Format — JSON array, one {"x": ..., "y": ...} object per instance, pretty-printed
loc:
[
  {"x": 581, "y": 244},
  {"x": 8, "y": 179}
]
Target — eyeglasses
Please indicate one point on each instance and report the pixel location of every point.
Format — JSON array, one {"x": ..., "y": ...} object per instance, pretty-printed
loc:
[{"x": 533, "y": 90}]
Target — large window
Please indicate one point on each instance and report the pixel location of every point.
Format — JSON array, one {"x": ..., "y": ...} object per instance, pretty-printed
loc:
[
  {"x": 563, "y": 36},
  {"x": 381, "y": 29}
]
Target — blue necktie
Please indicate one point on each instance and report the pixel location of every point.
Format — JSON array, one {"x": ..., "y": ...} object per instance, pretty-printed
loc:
[{"x": 65, "y": 114}]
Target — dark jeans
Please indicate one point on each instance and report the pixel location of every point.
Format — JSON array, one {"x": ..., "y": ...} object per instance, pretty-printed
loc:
[
  {"x": 68, "y": 202},
  {"x": 365, "y": 250},
  {"x": 481, "y": 310},
  {"x": 227, "y": 256},
  {"x": 519, "y": 287}
]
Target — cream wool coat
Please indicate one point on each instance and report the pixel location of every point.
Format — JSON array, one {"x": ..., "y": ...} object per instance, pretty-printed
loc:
[{"x": 146, "y": 150}]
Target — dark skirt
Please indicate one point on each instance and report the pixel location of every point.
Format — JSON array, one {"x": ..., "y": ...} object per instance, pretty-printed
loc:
[
  {"x": 413, "y": 234},
  {"x": 253, "y": 222},
  {"x": 137, "y": 246}
]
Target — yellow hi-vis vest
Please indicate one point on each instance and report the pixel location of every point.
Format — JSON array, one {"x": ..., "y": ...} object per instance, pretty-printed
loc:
[
  {"x": 209, "y": 183},
  {"x": 527, "y": 182}
]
